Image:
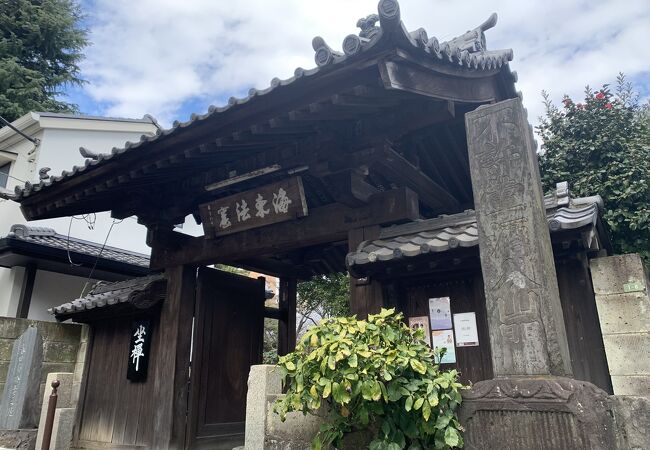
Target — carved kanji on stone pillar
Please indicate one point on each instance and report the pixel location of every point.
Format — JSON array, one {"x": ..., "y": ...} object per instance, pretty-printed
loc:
[{"x": 525, "y": 319}]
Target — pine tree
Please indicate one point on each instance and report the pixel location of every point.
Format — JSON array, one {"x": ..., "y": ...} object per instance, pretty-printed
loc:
[{"x": 41, "y": 43}]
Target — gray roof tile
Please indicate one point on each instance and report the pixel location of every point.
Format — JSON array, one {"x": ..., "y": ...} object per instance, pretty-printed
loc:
[
  {"x": 50, "y": 238},
  {"x": 460, "y": 230},
  {"x": 107, "y": 294},
  {"x": 467, "y": 51}
]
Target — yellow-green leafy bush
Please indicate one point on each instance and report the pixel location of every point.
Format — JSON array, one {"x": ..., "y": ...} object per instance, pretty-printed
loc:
[{"x": 376, "y": 375}]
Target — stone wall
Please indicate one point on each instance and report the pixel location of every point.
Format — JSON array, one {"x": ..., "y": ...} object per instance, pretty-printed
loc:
[
  {"x": 265, "y": 430},
  {"x": 63, "y": 349},
  {"x": 570, "y": 403},
  {"x": 621, "y": 288}
]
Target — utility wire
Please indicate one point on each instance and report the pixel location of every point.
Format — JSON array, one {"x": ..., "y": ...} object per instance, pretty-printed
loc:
[
  {"x": 90, "y": 221},
  {"x": 15, "y": 178},
  {"x": 68, "y": 245},
  {"x": 34, "y": 141},
  {"x": 115, "y": 222}
]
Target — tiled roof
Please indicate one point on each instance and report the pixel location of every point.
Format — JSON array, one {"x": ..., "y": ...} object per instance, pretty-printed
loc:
[
  {"x": 141, "y": 293},
  {"x": 107, "y": 294},
  {"x": 467, "y": 52},
  {"x": 50, "y": 238},
  {"x": 460, "y": 230},
  {"x": 146, "y": 119}
]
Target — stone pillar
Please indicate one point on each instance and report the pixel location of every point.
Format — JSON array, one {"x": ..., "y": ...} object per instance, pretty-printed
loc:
[
  {"x": 263, "y": 381},
  {"x": 19, "y": 405},
  {"x": 530, "y": 405},
  {"x": 527, "y": 333}
]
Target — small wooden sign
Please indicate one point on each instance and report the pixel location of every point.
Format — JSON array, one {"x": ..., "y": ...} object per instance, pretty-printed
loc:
[
  {"x": 139, "y": 350},
  {"x": 273, "y": 203}
]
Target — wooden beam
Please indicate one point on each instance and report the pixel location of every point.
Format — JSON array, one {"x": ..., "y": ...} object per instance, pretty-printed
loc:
[
  {"x": 395, "y": 167},
  {"x": 273, "y": 313},
  {"x": 329, "y": 223},
  {"x": 451, "y": 170},
  {"x": 243, "y": 177},
  {"x": 287, "y": 325},
  {"x": 273, "y": 267},
  {"x": 375, "y": 103},
  {"x": 420, "y": 114},
  {"x": 349, "y": 188},
  {"x": 26, "y": 291},
  {"x": 366, "y": 296},
  {"x": 284, "y": 130},
  {"x": 172, "y": 360},
  {"x": 411, "y": 77}
]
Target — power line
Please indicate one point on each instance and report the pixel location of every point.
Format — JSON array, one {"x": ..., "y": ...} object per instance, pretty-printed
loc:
[
  {"x": 15, "y": 178},
  {"x": 115, "y": 222},
  {"x": 34, "y": 141}
]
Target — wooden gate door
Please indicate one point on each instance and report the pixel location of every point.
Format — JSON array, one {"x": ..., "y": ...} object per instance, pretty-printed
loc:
[{"x": 228, "y": 333}]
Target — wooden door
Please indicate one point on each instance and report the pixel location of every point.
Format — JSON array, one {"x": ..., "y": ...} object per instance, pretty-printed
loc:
[
  {"x": 466, "y": 295},
  {"x": 228, "y": 333}
]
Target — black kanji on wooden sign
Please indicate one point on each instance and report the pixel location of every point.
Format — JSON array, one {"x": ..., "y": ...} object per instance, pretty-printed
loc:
[
  {"x": 139, "y": 350},
  {"x": 266, "y": 205}
]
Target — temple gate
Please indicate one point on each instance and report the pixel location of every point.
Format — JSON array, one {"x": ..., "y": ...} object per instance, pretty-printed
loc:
[{"x": 372, "y": 162}]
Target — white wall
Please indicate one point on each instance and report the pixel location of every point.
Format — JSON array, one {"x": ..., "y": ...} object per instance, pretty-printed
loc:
[
  {"x": 11, "y": 281},
  {"x": 53, "y": 289},
  {"x": 59, "y": 150},
  {"x": 22, "y": 168}
]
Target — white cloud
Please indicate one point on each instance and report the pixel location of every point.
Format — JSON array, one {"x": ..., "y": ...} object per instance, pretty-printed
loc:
[{"x": 155, "y": 55}]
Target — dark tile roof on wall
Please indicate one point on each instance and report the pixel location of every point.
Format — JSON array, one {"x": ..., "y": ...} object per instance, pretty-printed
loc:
[
  {"x": 460, "y": 230},
  {"x": 466, "y": 52},
  {"x": 141, "y": 293},
  {"x": 109, "y": 294},
  {"x": 50, "y": 238}
]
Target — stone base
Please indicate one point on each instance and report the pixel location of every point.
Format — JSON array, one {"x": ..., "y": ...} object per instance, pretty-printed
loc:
[
  {"x": 18, "y": 439},
  {"x": 632, "y": 422},
  {"x": 537, "y": 414}
]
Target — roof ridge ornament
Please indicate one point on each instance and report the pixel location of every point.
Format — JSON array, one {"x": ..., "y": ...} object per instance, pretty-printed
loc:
[
  {"x": 468, "y": 50},
  {"x": 43, "y": 173},
  {"x": 368, "y": 26},
  {"x": 88, "y": 154},
  {"x": 473, "y": 40},
  {"x": 23, "y": 231}
]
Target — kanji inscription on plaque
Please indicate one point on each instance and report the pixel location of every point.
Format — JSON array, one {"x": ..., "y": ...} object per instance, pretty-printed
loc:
[{"x": 273, "y": 203}]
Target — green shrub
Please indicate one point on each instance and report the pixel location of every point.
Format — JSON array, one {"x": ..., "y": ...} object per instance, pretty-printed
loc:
[{"x": 376, "y": 375}]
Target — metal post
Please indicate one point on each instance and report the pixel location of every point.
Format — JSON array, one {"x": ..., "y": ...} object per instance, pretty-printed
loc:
[{"x": 49, "y": 419}]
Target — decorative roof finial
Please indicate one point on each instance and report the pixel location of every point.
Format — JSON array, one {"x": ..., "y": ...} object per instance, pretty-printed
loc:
[
  {"x": 88, "y": 154},
  {"x": 389, "y": 13},
  {"x": 43, "y": 173},
  {"x": 368, "y": 26}
]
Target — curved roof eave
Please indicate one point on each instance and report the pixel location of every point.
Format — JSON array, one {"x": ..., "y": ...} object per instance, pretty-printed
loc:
[{"x": 465, "y": 53}]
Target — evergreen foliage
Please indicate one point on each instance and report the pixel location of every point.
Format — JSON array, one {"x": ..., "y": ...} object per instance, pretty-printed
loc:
[
  {"x": 41, "y": 43},
  {"x": 602, "y": 146},
  {"x": 376, "y": 375},
  {"x": 323, "y": 296}
]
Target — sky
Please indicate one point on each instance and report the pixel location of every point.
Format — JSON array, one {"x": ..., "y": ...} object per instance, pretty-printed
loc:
[{"x": 170, "y": 58}]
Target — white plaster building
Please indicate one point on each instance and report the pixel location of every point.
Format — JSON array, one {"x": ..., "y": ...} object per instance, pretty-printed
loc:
[{"x": 54, "y": 142}]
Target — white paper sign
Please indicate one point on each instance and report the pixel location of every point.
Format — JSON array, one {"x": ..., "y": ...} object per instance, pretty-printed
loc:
[
  {"x": 440, "y": 313},
  {"x": 466, "y": 330},
  {"x": 421, "y": 323},
  {"x": 444, "y": 339}
]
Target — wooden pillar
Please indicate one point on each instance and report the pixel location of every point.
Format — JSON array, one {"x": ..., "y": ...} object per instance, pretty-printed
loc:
[
  {"x": 171, "y": 375},
  {"x": 287, "y": 322},
  {"x": 366, "y": 296},
  {"x": 29, "y": 277}
]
